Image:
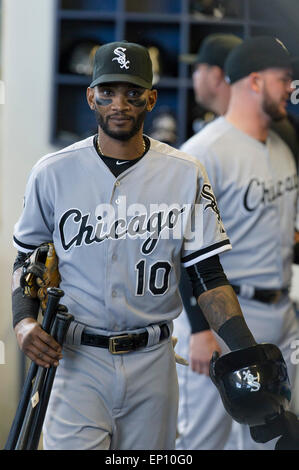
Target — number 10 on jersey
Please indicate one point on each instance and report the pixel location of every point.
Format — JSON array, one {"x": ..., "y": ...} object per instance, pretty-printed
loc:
[{"x": 154, "y": 277}]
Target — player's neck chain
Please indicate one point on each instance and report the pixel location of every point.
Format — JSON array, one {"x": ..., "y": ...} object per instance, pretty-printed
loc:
[{"x": 102, "y": 153}]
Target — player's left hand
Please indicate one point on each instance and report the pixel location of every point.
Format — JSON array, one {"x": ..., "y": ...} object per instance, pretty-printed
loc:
[{"x": 201, "y": 347}]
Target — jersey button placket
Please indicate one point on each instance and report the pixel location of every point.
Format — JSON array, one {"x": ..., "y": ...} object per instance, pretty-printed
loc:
[
  {"x": 111, "y": 255},
  {"x": 116, "y": 185},
  {"x": 114, "y": 256}
]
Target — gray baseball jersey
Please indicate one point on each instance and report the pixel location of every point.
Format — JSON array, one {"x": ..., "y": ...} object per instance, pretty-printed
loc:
[
  {"x": 256, "y": 189},
  {"x": 120, "y": 241}
]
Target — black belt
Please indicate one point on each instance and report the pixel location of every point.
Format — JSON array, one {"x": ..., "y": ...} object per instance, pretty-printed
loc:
[
  {"x": 122, "y": 344},
  {"x": 267, "y": 296}
]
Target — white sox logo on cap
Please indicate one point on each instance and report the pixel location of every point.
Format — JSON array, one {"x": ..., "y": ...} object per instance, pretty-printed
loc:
[{"x": 121, "y": 57}]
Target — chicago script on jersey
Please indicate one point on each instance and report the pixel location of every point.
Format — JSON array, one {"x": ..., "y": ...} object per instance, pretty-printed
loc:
[
  {"x": 259, "y": 192},
  {"x": 142, "y": 226}
]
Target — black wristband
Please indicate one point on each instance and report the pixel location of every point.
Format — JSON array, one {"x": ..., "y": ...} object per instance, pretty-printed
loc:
[
  {"x": 23, "y": 307},
  {"x": 236, "y": 334}
]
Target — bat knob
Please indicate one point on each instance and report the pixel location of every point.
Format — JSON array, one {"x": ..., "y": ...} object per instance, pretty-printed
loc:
[
  {"x": 62, "y": 308},
  {"x": 55, "y": 292}
]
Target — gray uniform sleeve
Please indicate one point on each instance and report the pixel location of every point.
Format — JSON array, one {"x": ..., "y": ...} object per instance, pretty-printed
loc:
[
  {"x": 35, "y": 225},
  {"x": 205, "y": 234}
]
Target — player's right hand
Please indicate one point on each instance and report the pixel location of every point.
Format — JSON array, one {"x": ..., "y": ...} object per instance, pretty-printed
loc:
[
  {"x": 201, "y": 348},
  {"x": 37, "y": 344}
]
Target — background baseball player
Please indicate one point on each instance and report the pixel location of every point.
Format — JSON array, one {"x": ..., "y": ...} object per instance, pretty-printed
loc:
[
  {"x": 212, "y": 92},
  {"x": 123, "y": 216},
  {"x": 255, "y": 182}
]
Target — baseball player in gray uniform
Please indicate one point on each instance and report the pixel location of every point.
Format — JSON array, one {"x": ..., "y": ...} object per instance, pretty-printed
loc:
[
  {"x": 212, "y": 92},
  {"x": 124, "y": 212},
  {"x": 254, "y": 178}
]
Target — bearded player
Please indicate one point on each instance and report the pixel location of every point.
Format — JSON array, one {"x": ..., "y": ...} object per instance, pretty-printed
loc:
[{"x": 124, "y": 212}]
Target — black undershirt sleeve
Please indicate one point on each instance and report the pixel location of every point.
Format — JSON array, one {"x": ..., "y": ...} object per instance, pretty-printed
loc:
[
  {"x": 206, "y": 275},
  {"x": 195, "y": 315},
  {"x": 22, "y": 306},
  {"x": 195, "y": 280}
]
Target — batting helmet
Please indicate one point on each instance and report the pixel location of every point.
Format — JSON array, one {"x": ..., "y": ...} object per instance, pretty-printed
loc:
[{"x": 253, "y": 383}]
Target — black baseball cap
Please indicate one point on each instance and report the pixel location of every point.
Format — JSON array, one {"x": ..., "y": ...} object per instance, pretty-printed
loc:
[
  {"x": 122, "y": 62},
  {"x": 213, "y": 50},
  {"x": 256, "y": 54}
]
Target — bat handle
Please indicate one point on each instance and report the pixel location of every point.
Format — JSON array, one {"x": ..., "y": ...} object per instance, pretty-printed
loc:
[
  {"x": 60, "y": 326},
  {"x": 54, "y": 296},
  {"x": 21, "y": 409}
]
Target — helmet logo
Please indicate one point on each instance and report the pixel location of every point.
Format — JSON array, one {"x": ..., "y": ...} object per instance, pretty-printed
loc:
[
  {"x": 251, "y": 380},
  {"x": 121, "y": 57}
]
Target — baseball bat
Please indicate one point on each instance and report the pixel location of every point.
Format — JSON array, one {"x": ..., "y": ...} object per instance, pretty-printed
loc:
[
  {"x": 60, "y": 327},
  {"x": 54, "y": 295}
]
